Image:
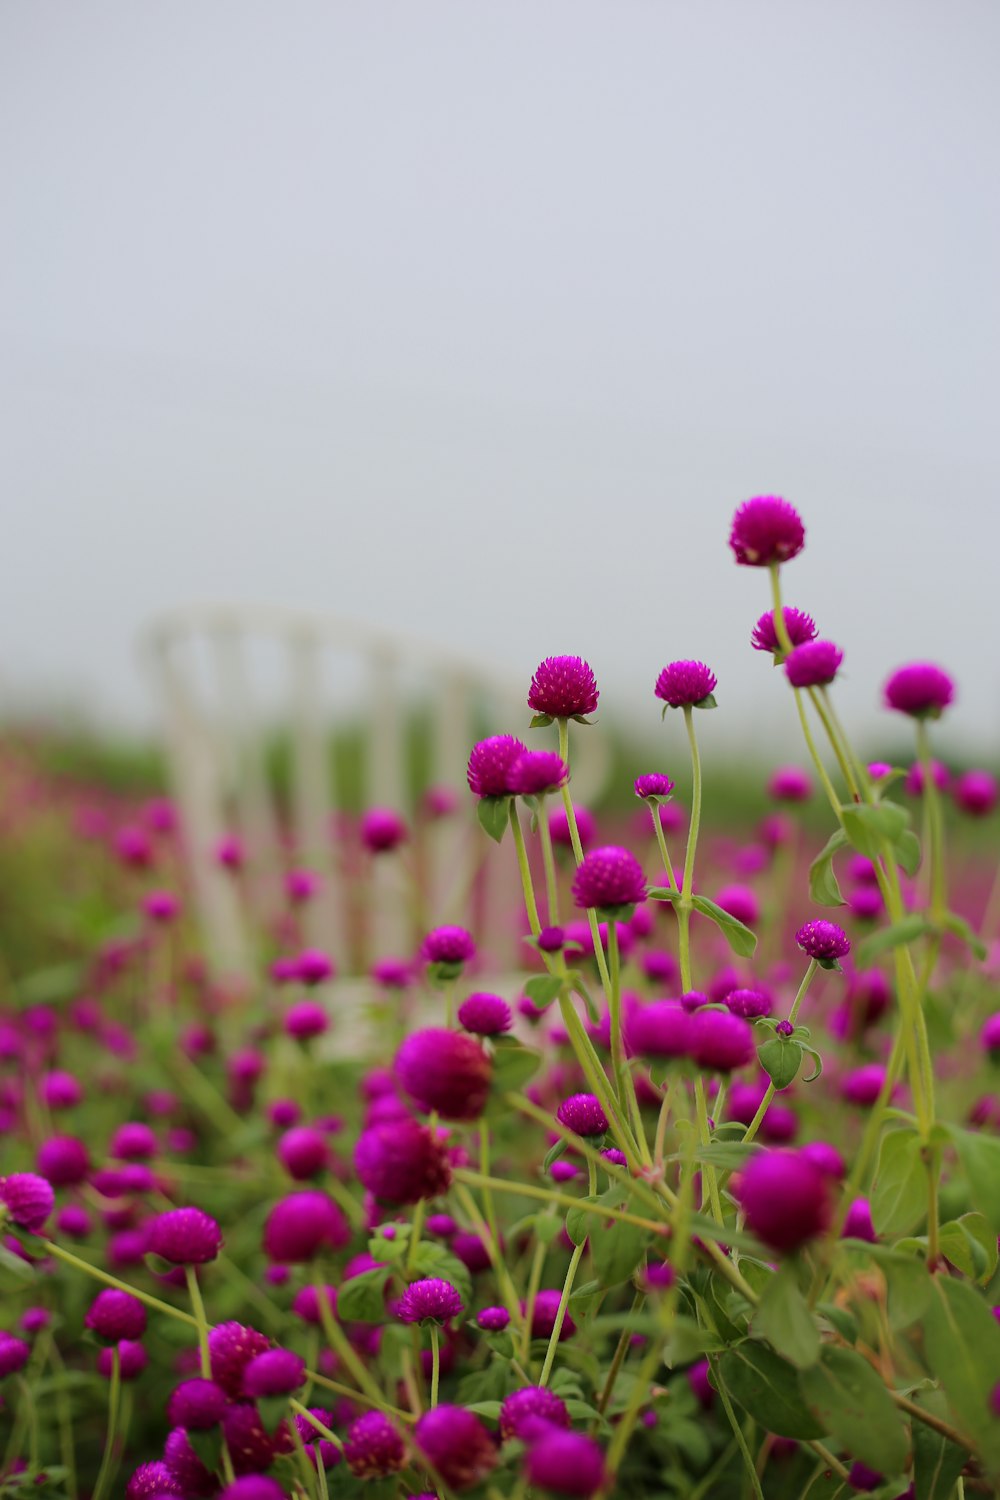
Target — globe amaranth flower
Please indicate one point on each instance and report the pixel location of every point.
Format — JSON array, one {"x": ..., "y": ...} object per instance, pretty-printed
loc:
[
  {"x": 826, "y": 1157},
  {"x": 583, "y": 1114},
  {"x": 566, "y": 1463},
  {"x": 989, "y": 1036},
  {"x": 740, "y": 902},
  {"x": 276, "y": 1372},
  {"x": 863, "y": 1085},
  {"x": 536, "y": 772},
  {"x": 253, "y": 1487},
  {"x": 14, "y": 1353},
  {"x": 115, "y": 1315},
  {"x": 799, "y": 627},
  {"x": 149, "y": 1481},
  {"x": 684, "y": 684},
  {"x": 493, "y": 1319},
  {"x": 430, "y": 1300},
  {"x": 559, "y": 828},
  {"x": 313, "y": 966},
  {"x": 382, "y": 830},
  {"x": 28, "y": 1199},
  {"x": 61, "y": 1090},
  {"x": 660, "y": 1029},
  {"x": 373, "y": 1447},
  {"x": 485, "y": 1014},
  {"x": 766, "y": 530},
  {"x": 306, "y": 1019},
  {"x": 813, "y": 664},
  {"x": 488, "y": 772},
  {"x": 748, "y": 1003},
  {"x": 609, "y": 878},
  {"x": 790, "y": 784},
  {"x": 185, "y": 1237},
  {"x": 544, "y": 1313},
  {"x": 823, "y": 940},
  {"x": 858, "y": 1224},
  {"x": 921, "y": 690},
  {"x": 251, "y": 1447},
  {"x": 448, "y": 945},
  {"x": 786, "y": 1199},
  {"x": 720, "y": 1041},
  {"x": 563, "y": 687},
  {"x": 63, "y": 1160},
  {"x": 303, "y": 1152},
  {"x": 318, "y": 1448},
  {"x": 303, "y": 1225},
  {"x": 185, "y": 1465},
  {"x": 132, "y": 1360},
  {"x": 526, "y": 1409},
  {"x": 196, "y": 1405},
  {"x": 652, "y": 786},
  {"x": 976, "y": 793},
  {"x": 402, "y": 1162},
  {"x": 457, "y": 1445},
  {"x": 446, "y": 1071}
]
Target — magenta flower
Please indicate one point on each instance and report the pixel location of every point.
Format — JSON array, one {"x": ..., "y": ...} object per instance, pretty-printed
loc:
[
  {"x": 563, "y": 687},
  {"x": 921, "y": 690},
  {"x": 14, "y": 1354},
  {"x": 814, "y": 664},
  {"x": 543, "y": 1318},
  {"x": 720, "y": 1041},
  {"x": 608, "y": 879},
  {"x": 303, "y": 1152},
  {"x": 382, "y": 830},
  {"x": 196, "y": 1405},
  {"x": 253, "y": 1487},
  {"x": 448, "y": 945},
  {"x": 799, "y": 626},
  {"x": 115, "y": 1315},
  {"x": 989, "y": 1036},
  {"x": 63, "y": 1160},
  {"x": 976, "y": 793},
  {"x": 858, "y": 1224},
  {"x": 132, "y": 1360},
  {"x": 525, "y": 1411},
  {"x": 740, "y": 902},
  {"x": 314, "y": 967},
  {"x": 493, "y": 1319},
  {"x": 559, "y": 826},
  {"x": 185, "y": 1465},
  {"x": 373, "y": 1447},
  {"x": 402, "y": 1162},
  {"x": 749, "y": 1004},
  {"x": 28, "y": 1199},
  {"x": 306, "y": 1019},
  {"x": 231, "y": 1347},
  {"x": 485, "y": 1015},
  {"x": 133, "y": 1141},
  {"x": 685, "y": 684},
  {"x": 536, "y": 772},
  {"x": 303, "y": 1225},
  {"x": 488, "y": 772},
  {"x": 185, "y": 1237},
  {"x": 566, "y": 1464},
  {"x": 766, "y": 530},
  {"x": 445, "y": 1071},
  {"x": 826, "y": 1157},
  {"x": 660, "y": 1029},
  {"x": 823, "y": 940},
  {"x": 786, "y": 1199},
  {"x": 457, "y": 1445},
  {"x": 790, "y": 784},
  {"x": 151, "y": 1482},
  {"x": 276, "y": 1372},
  {"x": 431, "y": 1300},
  {"x": 583, "y": 1114},
  {"x": 652, "y": 786}
]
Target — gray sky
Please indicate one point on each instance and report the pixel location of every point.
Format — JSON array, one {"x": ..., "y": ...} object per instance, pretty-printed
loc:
[{"x": 481, "y": 317}]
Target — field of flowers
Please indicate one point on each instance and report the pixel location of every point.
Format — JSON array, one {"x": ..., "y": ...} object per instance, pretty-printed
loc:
[{"x": 703, "y": 1202}]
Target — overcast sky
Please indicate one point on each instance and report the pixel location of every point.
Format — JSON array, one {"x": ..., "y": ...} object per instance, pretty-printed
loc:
[{"x": 479, "y": 318}]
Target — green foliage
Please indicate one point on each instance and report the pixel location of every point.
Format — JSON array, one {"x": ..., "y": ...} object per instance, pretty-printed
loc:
[{"x": 848, "y": 1398}]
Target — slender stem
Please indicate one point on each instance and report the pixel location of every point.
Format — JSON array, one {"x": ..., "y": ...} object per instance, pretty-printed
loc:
[
  {"x": 114, "y": 1405},
  {"x": 597, "y": 1078},
  {"x": 529, "y": 1190},
  {"x": 621, "y": 1349},
  {"x": 574, "y": 836},
  {"x": 527, "y": 887},
  {"x": 493, "y": 1250},
  {"x": 933, "y": 804},
  {"x": 198, "y": 1306},
  {"x": 639, "y": 1395},
  {"x": 436, "y": 1364},
  {"x": 654, "y": 808},
  {"x": 705, "y": 1136},
  {"x": 534, "y": 1282},
  {"x": 361, "y": 1397},
  {"x": 819, "y": 701},
  {"x": 741, "y": 1441},
  {"x": 414, "y": 1245},
  {"x": 770, "y": 1091},
  {"x": 567, "y": 1291},
  {"x": 342, "y": 1348},
  {"x": 615, "y": 1012},
  {"x": 549, "y": 865},
  {"x": 82, "y": 1265},
  {"x": 694, "y": 825}
]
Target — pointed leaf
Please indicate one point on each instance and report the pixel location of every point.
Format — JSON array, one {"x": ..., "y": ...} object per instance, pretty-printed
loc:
[
  {"x": 937, "y": 1463},
  {"x": 898, "y": 935},
  {"x": 962, "y": 1348},
  {"x": 844, "y": 1393},
  {"x": 494, "y": 815},
  {"x": 738, "y": 936},
  {"x": 823, "y": 887},
  {"x": 899, "y": 1197},
  {"x": 767, "y": 1387},
  {"x": 783, "y": 1318},
  {"x": 870, "y": 826},
  {"x": 980, "y": 1158}
]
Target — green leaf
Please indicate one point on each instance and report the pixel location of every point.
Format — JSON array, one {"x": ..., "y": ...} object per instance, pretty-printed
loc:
[
  {"x": 688, "y": 1341},
  {"x": 208, "y": 1445},
  {"x": 844, "y": 1393},
  {"x": 898, "y": 935},
  {"x": 617, "y": 1249},
  {"x": 980, "y": 1158},
  {"x": 513, "y": 1065},
  {"x": 663, "y": 893},
  {"x": 962, "y": 1348},
  {"x": 783, "y": 1318},
  {"x": 767, "y": 1387},
  {"x": 362, "y": 1298},
  {"x": 542, "y": 989},
  {"x": 494, "y": 815},
  {"x": 970, "y": 1245},
  {"x": 273, "y": 1411},
  {"x": 739, "y": 937},
  {"x": 728, "y": 1156},
  {"x": 937, "y": 1463},
  {"x": 899, "y": 1197},
  {"x": 781, "y": 1058},
  {"x": 22, "y": 1269},
  {"x": 908, "y": 854},
  {"x": 823, "y": 887},
  {"x": 960, "y": 928},
  {"x": 907, "y": 1279},
  {"x": 839, "y": 1318},
  {"x": 488, "y": 1409},
  {"x": 580, "y": 1223},
  {"x": 539, "y": 721},
  {"x": 870, "y": 826}
]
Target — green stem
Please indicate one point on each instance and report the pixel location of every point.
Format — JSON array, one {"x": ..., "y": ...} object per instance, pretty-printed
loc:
[
  {"x": 418, "y": 1224},
  {"x": 549, "y": 865},
  {"x": 436, "y": 1364},
  {"x": 574, "y": 836},
  {"x": 654, "y": 808},
  {"x": 198, "y": 1307},
  {"x": 741, "y": 1441},
  {"x": 621, "y": 1349},
  {"x": 550, "y": 1195},
  {"x": 705, "y": 1136},
  {"x": 342, "y": 1348},
  {"x": 597, "y": 1078},
  {"x": 108, "y": 1464},
  {"x": 527, "y": 887},
  {"x": 769, "y": 1094},
  {"x": 819, "y": 701},
  {"x": 567, "y": 1291},
  {"x": 933, "y": 801},
  {"x": 123, "y": 1286}
]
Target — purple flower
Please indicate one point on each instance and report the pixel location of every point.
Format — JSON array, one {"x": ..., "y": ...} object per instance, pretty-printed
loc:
[
  {"x": 989, "y": 1037},
  {"x": 823, "y": 940},
  {"x": 445, "y": 1071},
  {"x": 161, "y": 906},
  {"x": 402, "y": 1162},
  {"x": 529, "y": 1408},
  {"x": 373, "y": 1448},
  {"x": 448, "y": 945},
  {"x": 251, "y": 1447},
  {"x": 14, "y": 1353},
  {"x": 559, "y": 826},
  {"x": 786, "y": 1199},
  {"x": 149, "y": 1481},
  {"x": 921, "y": 690},
  {"x": 457, "y": 1445},
  {"x": 813, "y": 664},
  {"x": 115, "y": 1315},
  {"x": 609, "y": 878},
  {"x": 720, "y": 1040},
  {"x": 61, "y": 1090},
  {"x": 488, "y": 773},
  {"x": 314, "y": 966},
  {"x": 564, "y": 687},
  {"x": 566, "y": 1463},
  {"x": 544, "y": 1313},
  {"x": 493, "y": 1319},
  {"x": 485, "y": 1015},
  {"x": 660, "y": 1029},
  {"x": 858, "y": 1224},
  {"x": 303, "y": 1152},
  {"x": 185, "y": 1237},
  {"x": 186, "y": 1467},
  {"x": 538, "y": 771},
  {"x": 976, "y": 793},
  {"x": 326, "y": 1452},
  {"x": 63, "y": 1160},
  {"x": 28, "y": 1198},
  {"x": 790, "y": 784},
  {"x": 303, "y": 1225},
  {"x": 800, "y": 627},
  {"x": 382, "y": 830},
  {"x": 132, "y": 1360},
  {"x": 826, "y": 1157},
  {"x": 231, "y": 1347},
  {"x": 429, "y": 1301},
  {"x": 683, "y": 684},
  {"x": 863, "y": 1085},
  {"x": 253, "y": 1487},
  {"x": 652, "y": 786},
  {"x": 913, "y": 782},
  {"x": 740, "y": 902},
  {"x": 276, "y": 1372},
  {"x": 306, "y": 1019},
  {"x": 766, "y": 530},
  {"x": 583, "y": 1114},
  {"x": 196, "y": 1405},
  {"x": 750, "y": 1004},
  {"x": 306, "y": 1302}
]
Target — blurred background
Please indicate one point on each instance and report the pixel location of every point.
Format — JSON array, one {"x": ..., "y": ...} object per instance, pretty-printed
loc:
[{"x": 476, "y": 322}]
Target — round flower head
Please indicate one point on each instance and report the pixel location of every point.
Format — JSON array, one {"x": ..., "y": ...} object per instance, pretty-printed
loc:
[
  {"x": 14, "y": 1353},
  {"x": 826, "y": 1157},
  {"x": 766, "y": 530},
  {"x": 652, "y": 786},
  {"x": 196, "y": 1405},
  {"x": 456, "y": 1444},
  {"x": 790, "y": 784},
  {"x": 302, "y": 1225},
  {"x": 488, "y": 772},
  {"x": 185, "y": 1465},
  {"x": 63, "y": 1160},
  {"x": 373, "y": 1448},
  {"x": 429, "y": 1301},
  {"x": 976, "y": 793},
  {"x": 493, "y": 1319},
  {"x": 276, "y": 1372},
  {"x": 989, "y": 1036},
  {"x": 740, "y": 902},
  {"x": 799, "y": 626},
  {"x": 525, "y": 1409},
  {"x": 306, "y": 1019},
  {"x": 823, "y": 940},
  {"x": 608, "y": 879},
  {"x": 402, "y": 1162},
  {"x": 538, "y": 771},
  {"x": 683, "y": 684},
  {"x": 563, "y": 687},
  {"x": 786, "y": 1199},
  {"x": 132, "y": 1360},
  {"x": 314, "y": 966},
  {"x": 151, "y": 1481},
  {"x": 301, "y": 885},
  {"x": 750, "y": 1004},
  {"x": 382, "y": 830},
  {"x": 485, "y": 1015},
  {"x": 863, "y": 1085},
  {"x": 913, "y": 782},
  {"x": 660, "y": 1029},
  {"x": 583, "y": 1114},
  {"x": 921, "y": 690},
  {"x": 543, "y": 1317},
  {"x": 133, "y": 1141},
  {"x": 61, "y": 1090},
  {"x": 115, "y": 1315},
  {"x": 161, "y": 906},
  {"x": 251, "y": 1447},
  {"x": 303, "y": 1152},
  {"x": 448, "y": 945},
  {"x": 28, "y": 1199},
  {"x": 566, "y": 1463},
  {"x": 253, "y": 1487},
  {"x": 813, "y": 664},
  {"x": 720, "y": 1040},
  {"x": 445, "y": 1071},
  {"x": 185, "y": 1237},
  {"x": 858, "y": 1225}
]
